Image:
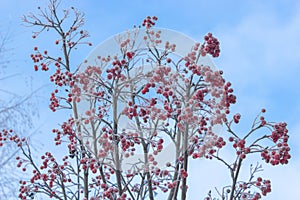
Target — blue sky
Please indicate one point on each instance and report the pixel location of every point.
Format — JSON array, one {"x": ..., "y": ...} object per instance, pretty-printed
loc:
[{"x": 260, "y": 45}]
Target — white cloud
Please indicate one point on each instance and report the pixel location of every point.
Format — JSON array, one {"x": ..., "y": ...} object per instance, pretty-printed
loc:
[{"x": 261, "y": 48}]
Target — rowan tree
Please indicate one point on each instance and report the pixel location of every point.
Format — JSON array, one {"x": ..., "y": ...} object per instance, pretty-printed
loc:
[{"x": 135, "y": 102}]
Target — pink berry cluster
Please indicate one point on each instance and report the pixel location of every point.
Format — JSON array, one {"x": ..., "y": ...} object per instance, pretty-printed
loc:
[
  {"x": 50, "y": 174},
  {"x": 38, "y": 58},
  {"x": 106, "y": 145},
  {"x": 90, "y": 163},
  {"x": 239, "y": 145},
  {"x": 128, "y": 143},
  {"x": 118, "y": 65},
  {"x": 215, "y": 144},
  {"x": 130, "y": 55},
  {"x": 206, "y": 144},
  {"x": 67, "y": 130},
  {"x": 149, "y": 21},
  {"x": 61, "y": 78},
  {"x": 171, "y": 48},
  {"x": 280, "y": 153},
  {"x": 277, "y": 156},
  {"x": 158, "y": 146},
  {"x": 211, "y": 46},
  {"x": 83, "y": 83},
  {"x": 190, "y": 62},
  {"x": 147, "y": 87},
  {"x": 263, "y": 185},
  {"x": 229, "y": 97},
  {"x": 279, "y": 133},
  {"x": 236, "y": 118},
  {"x": 8, "y": 135}
]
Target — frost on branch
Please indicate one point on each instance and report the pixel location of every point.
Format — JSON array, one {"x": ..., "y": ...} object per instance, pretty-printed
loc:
[
  {"x": 272, "y": 146},
  {"x": 143, "y": 99},
  {"x": 68, "y": 27},
  {"x": 132, "y": 103}
]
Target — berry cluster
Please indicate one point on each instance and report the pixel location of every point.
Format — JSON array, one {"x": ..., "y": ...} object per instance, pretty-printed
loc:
[
  {"x": 236, "y": 118},
  {"x": 37, "y": 58},
  {"x": 239, "y": 145},
  {"x": 229, "y": 98},
  {"x": 130, "y": 55},
  {"x": 127, "y": 143},
  {"x": 149, "y": 21},
  {"x": 210, "y": 148},
  {"x": 279, "y": 132},
  {"x": 50, "y": 173},
  {"x": 8, "y": 135},
  {"x": 147, "y": 87},
  {"x": 116, "y": 70},
  {"x": 61, "y": 78},
  {"x": 170, "y": 47},
  {"x": 67, "y": 130},
  {"x": 263, "y": 185},
  {"x": 211, "y": 46},
  {"x": 279, "y": 154}
]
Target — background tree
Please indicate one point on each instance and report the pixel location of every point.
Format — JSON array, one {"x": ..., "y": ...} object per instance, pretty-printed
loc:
[
  {"x": 16, "y": 111},
  {"x": 174, "y": 97}
]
